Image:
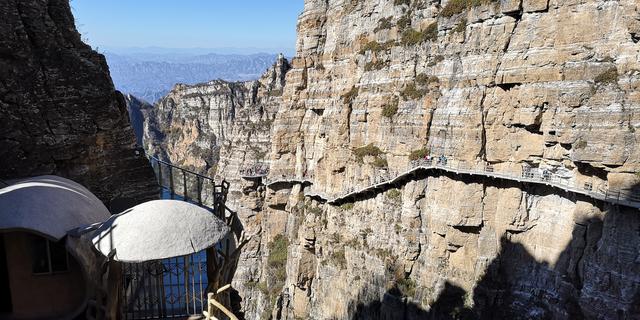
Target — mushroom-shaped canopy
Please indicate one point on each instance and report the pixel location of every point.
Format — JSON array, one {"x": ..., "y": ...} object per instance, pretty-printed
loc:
[
  {"x": 48, "y": 205},
  {"x": 158, "y": 230}
]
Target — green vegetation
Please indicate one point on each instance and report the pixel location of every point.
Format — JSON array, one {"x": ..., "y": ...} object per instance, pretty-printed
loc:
[
  {"x": 275, "y": 93},
  {"x": 375, "y": 65},
  {"x": 410, "y": 92},
  {"x": 454, "y": 7},
  {"x": 278, "y": 251},
  {"x": 347, "y": 206},
  {"x": 369, "y": 150},
  {"x": 406, "y": 286},
  {"x": 401, "y": 2},
  {"x": 390, "y": 109},
  {"x": 437, "y": 59},
  {"x": 383, "y": 24},
  {"x": 608, "y": 77},
  {"x": 419, "y": 154},
  {"x": 380, "y": 162},
  {"x": 394, "y": 195},
  {"x": 251, "y": 284},
  {"x": 383, "y": 254},
  {"x": 375, "y": 46},
  {"x": 424, "y": 80},
  {"x": 461, "y": 26},
  {"x": 412, "y": 37},
  {"x": 277, "y": 272},
  {"x": 338, "y": 258},
  {"x": 404, "y": 21},
  {"x": 351, "y": 95},
  {"x": 336, "y": 238},
  {"x": 397, "y": 227}
]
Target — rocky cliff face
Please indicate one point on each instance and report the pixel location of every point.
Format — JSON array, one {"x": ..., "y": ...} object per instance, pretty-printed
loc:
[
  {"x": 195, "y": 124},
  {"x": 60, "y": 113},
  {"x": 517, "y": 86}
]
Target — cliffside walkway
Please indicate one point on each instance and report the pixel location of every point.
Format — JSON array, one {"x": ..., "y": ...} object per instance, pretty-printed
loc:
[
  {"x": 287, "y": 180},
  {"x": 534, "y": 176},
  {"x": 256, "y": 171}
]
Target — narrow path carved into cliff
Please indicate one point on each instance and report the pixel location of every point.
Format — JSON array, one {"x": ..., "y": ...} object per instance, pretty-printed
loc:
[{"x": 435, "y": 166}]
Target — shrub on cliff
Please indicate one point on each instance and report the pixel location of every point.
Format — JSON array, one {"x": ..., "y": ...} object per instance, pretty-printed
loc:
[
  {"x": 375, "y": 46},
  {"x": 404, "y": 21},
  {"x": 277, "y": 272},
  {"x": 412, "y": 37},
  {"x": 394, "y": 195},
  {"x": 351, "y": 95},
  {"x": 454, "y": 7},
  {"x": 419, "y": 154},
  {"x": 411, "y": 92},
  {"x": 461, "y": 26},
  {"x": 383, "y": 24},
  {"x": 390, "y": 110},
  {"x": 375, "y": 65},
  {"x": 380, "y": 162},
  {"x": 338, "y": 258},
  {"x": 608, "y": 77},
  {"x": 278, "y": 251},
  {"x": 369, "y": 150},
  {"x": 424, "y": 80}
]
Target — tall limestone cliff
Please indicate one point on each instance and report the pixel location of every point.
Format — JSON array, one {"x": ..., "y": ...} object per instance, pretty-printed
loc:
[
  {"x": 514, "y": 84},
  {"x": 203, "y": 126},
  {"x": 59, "y": 111},
  {"x": 517, "y": 86}
]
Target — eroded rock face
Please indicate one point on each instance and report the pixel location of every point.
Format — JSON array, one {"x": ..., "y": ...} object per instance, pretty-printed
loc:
[
  {"x": 192, "y": 125},
  {"x": 549, "y": 84},
  {"x": 516, "y": 84},
  {"x": 59, "y": 111}
]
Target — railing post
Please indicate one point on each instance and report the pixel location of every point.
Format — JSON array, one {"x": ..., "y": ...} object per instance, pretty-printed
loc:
[
  {"x": 184, "y": 186},
  {"x": 199, "y": 187},
  {"x": 160, "y": 177},
  {"x": 171, "y": 189}
]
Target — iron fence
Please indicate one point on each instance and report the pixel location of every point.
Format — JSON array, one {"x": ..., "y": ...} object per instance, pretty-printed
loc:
[
  {"x": 171, "y": 288},
  {"x": 175, "y": 287}
]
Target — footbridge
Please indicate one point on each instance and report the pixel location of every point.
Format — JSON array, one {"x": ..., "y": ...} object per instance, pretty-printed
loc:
[{"x": 442, "y": 165}]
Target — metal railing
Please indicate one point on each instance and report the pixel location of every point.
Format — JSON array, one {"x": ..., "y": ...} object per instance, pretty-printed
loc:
[
  {"x": 176, "y": 287},
  {"x": 269, "y": 180},
  {"x": 531, "y": 175},
  {"x": 257, "y": 170},
  {"x": 183, "y": 184},
  {"x": 171, "y": 288}
]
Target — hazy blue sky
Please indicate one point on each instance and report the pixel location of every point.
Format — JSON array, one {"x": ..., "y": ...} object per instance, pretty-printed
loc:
[{"x": 188, "y": 23}]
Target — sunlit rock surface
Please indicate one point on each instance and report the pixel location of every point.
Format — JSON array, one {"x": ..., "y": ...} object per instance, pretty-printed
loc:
[{"x": 542, "y": 84}]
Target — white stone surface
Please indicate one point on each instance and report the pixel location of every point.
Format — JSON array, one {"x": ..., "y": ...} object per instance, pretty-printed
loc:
[
  {"x": 48, "y": 205},
  {"x": 157, "y": 230}
]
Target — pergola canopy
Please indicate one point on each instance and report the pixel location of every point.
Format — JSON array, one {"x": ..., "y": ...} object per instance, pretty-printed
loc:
[
  {"x": 48, "y": 205},
  {"x": 158, "y": 230}
]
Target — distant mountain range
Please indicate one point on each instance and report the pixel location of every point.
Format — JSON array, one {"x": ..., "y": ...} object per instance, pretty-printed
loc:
[{"x": 151, "y": 75}]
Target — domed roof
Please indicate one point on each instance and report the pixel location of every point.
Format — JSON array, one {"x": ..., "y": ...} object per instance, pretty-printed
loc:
[
  {"x": 159, "y": 229},
  {"x": 48, "y": 205}
]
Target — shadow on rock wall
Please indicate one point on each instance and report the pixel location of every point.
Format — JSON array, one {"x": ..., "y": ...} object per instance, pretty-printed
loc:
[{"x": 596, "y": 276}]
